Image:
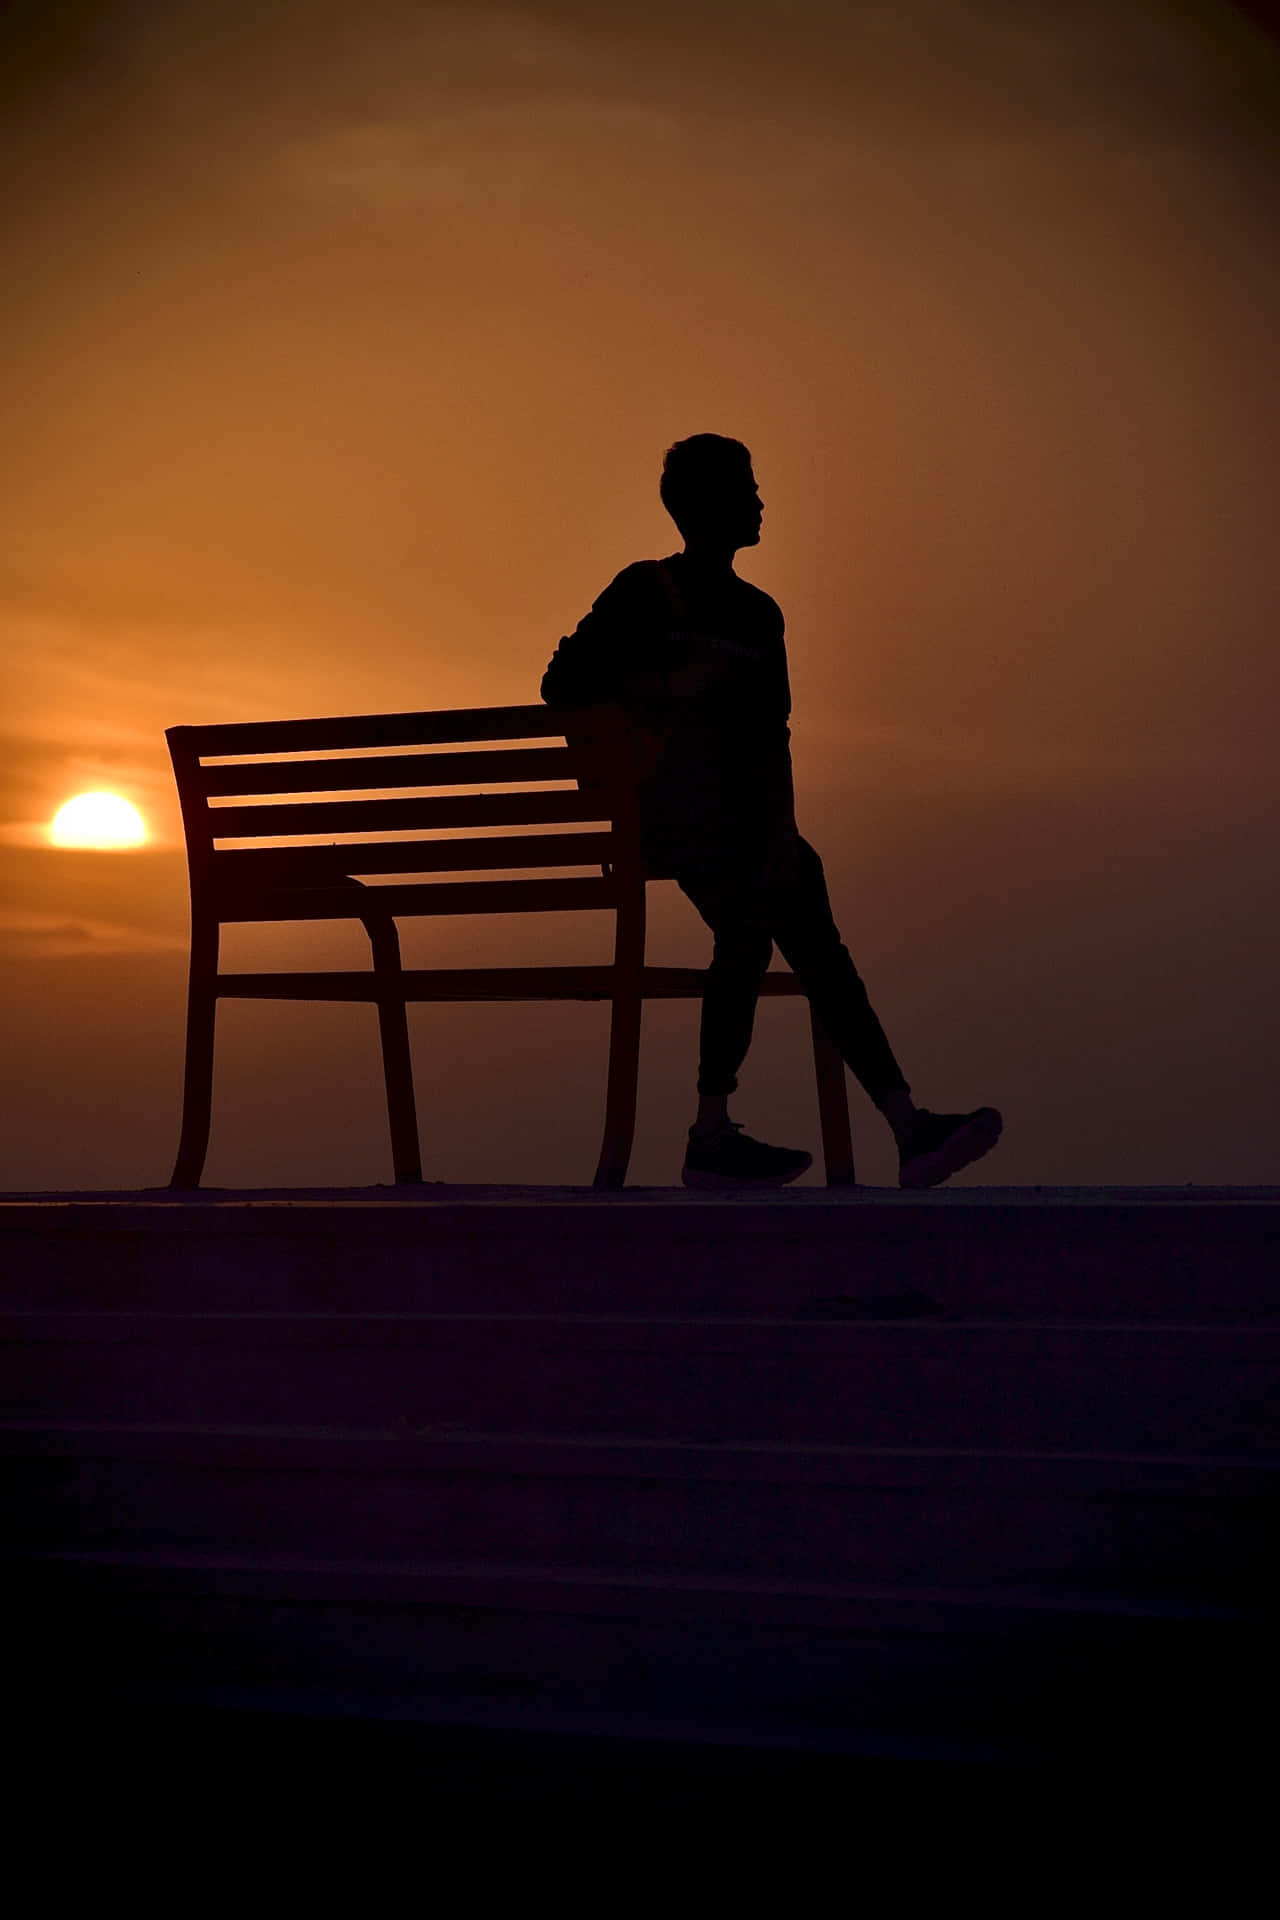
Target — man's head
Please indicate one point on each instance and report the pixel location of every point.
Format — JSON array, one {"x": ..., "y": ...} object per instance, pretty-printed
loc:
[{"x": 710, "y": 492}]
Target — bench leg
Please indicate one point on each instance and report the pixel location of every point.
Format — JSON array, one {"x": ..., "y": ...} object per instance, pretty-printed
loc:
[
  {"x": 624, "y": 1046},
  {"x": 620, "y": 1097},
  {"x": 833, "y": 1107},
  {"x": 397, "y": 1063},
  {"x": 197, "y": 1080}
]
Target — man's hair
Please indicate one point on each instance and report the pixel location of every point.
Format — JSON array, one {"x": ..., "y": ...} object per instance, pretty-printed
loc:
[{"x": 696, "y": 467}]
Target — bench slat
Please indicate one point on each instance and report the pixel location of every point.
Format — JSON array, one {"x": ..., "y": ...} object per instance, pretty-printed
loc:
[
  {"x": 396, "y": 816},
  {"x": 484, "y": 983},
  {"x": 440, "y": 897},
  {"x": 503, "y": 765},
  {"x": 259, "y": 867},
  {"x": 422, "y": 984},
  {"x": 345, "y": 731}
]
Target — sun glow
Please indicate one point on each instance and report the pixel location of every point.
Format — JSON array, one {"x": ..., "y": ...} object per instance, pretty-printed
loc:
[{"x": 100, "y": 820}]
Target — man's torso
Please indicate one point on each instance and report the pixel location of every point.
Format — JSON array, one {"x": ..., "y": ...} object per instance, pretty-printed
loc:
[{"x": 718, "y": 754}]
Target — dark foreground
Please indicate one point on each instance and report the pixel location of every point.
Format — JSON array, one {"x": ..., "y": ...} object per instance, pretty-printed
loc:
[{"x": 534, "y": 1492}]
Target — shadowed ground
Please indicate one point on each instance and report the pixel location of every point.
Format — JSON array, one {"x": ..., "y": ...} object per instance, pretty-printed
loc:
[{"x": 543, "y": 1484}]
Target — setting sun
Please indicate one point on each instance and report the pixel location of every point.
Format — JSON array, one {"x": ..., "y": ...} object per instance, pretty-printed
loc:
[{"x": 100, "y": 820}]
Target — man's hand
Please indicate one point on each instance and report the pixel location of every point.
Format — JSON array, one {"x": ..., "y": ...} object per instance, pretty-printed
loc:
[{"x": 609, "y": 747}]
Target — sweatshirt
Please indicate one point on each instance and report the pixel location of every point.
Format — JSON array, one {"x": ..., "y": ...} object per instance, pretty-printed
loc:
[{"x": 722, "y": 774}]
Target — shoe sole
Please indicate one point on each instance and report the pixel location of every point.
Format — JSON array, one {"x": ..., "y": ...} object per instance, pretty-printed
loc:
[
  {"x": 726, "y": 1182},
  {"x": 965, "y": 1146}
]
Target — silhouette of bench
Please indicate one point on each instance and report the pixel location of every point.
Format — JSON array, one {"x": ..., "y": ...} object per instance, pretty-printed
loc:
[{"x": 537, "y": 800}]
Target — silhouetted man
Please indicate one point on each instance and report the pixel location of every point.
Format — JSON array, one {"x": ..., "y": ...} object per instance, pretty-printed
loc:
[{"x": 695, "y": 657}]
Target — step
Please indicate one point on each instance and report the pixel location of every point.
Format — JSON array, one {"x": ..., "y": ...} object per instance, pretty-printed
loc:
[
  {"x": 1195, "y": 1528},
  {"x": 813, "y": 1663},
  {"x": 1001, "y": 1384},
  {"x": 1124, "y": 1253}
]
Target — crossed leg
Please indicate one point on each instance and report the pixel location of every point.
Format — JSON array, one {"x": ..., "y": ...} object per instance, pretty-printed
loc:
[{"x": 752, "y": 902}]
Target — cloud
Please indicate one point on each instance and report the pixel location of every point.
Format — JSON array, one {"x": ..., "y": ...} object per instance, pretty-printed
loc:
[
  {"x": 360, "y": 98},
  {"x": 28, "y": 935},
  {"x": 492, "y": 111},
  {"x": 497, "y": 154}
]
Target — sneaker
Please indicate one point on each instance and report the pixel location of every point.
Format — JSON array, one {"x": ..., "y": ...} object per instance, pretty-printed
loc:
[
  {"x": 941, "y": 1143},
  {"x": 731, "y": 1158}
]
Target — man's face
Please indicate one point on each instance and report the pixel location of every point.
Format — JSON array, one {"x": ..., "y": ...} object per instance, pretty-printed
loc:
[
  {"x": 752, "y": 510},
  {"x": 736, "y": 510}
]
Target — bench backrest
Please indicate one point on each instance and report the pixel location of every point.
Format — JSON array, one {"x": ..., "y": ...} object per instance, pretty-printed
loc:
[{"x": 281, "y": 818}]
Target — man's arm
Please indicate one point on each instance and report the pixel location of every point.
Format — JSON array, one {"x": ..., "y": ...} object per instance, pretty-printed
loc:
[
  {"x": 594, "y": 670},
  {"x": 610, "y": 655},
  {"x": 592, "y": 666}
]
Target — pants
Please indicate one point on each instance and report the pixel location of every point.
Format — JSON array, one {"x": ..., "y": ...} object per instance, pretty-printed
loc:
[{"x": 750, "y": 901}]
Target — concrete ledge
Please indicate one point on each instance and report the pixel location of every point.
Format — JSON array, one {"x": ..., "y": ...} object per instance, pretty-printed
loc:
[
  {"x": 840, "y": 1470},
  {"x": 435, "y": 1193}
]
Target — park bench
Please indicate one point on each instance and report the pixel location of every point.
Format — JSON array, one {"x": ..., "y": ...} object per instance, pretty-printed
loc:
[{"x": 368, "y": 818}]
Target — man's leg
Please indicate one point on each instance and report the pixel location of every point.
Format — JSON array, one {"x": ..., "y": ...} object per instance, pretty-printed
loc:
[
  {"x": 729, "y": 897},
  {"x": 727, "y": 893},
  {"x": 930, "y": 1146},
  {"x": 801, "y": 921},
  {"x": 739, "y": 961}
]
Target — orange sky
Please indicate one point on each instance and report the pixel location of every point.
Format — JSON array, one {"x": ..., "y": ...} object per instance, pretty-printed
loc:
[{"x": 341, "y": 348}]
